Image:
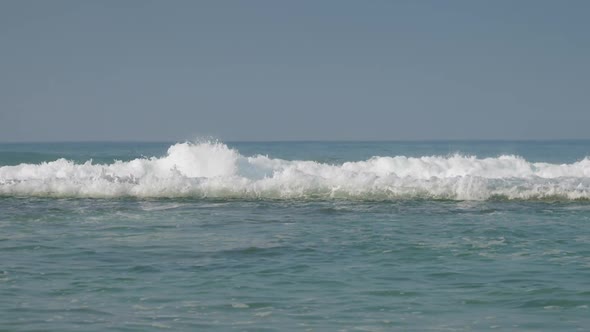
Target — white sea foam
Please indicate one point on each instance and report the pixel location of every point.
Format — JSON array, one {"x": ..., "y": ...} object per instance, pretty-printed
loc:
[{"x": 214, "y": 170}]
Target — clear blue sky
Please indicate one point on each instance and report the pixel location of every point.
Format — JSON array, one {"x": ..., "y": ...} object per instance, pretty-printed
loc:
[{"x": 294, "y": 70}]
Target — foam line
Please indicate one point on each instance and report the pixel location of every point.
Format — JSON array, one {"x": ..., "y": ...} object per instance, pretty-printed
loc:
[{"x": 214, "y": 170}]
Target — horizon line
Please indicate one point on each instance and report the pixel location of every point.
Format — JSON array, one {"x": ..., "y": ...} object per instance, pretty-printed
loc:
[{"x": 302, "y": 140}]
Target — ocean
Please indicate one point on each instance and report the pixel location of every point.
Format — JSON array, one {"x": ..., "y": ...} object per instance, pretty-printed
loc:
[{"x": 295, "y": 236}]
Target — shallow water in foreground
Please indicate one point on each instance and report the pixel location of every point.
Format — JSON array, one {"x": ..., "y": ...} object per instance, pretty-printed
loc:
[{"x": 293, "y": 264}]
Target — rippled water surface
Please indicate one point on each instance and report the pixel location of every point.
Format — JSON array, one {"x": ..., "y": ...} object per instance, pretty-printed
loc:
[{"x": 300, "y": 263}]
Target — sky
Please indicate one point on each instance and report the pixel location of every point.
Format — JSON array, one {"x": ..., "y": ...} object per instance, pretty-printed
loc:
[{"x": 294, "y": 70}]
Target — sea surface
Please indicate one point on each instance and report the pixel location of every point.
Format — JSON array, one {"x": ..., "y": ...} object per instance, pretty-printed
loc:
[{"x": 295, "y": 236}]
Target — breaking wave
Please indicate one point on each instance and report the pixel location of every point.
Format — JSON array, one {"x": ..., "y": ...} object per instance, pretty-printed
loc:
[{"x": 213, "y": 170}]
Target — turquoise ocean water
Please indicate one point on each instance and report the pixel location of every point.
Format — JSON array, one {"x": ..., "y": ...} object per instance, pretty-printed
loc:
[{"x": 295, "y": 236}]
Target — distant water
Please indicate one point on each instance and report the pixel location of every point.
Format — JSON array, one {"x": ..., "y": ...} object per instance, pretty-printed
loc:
[{"x": 319, "y": 236}]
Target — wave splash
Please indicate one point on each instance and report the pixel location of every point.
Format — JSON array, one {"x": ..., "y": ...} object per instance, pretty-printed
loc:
[{"x": 213, "y": 170}]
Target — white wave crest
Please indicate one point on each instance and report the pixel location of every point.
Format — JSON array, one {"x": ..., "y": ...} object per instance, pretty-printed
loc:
[{"x": 214, "y": 170}]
